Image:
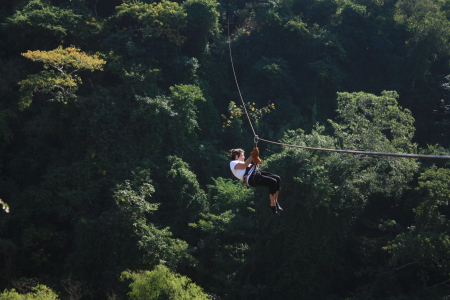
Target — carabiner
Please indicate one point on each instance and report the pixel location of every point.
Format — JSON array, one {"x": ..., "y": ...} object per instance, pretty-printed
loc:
[{"x": 256, "y": 139}]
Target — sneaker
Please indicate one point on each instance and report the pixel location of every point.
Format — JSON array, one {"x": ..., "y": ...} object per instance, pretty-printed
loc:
[
  {"x": 273, "y": 209},
  {"x": 279, "y": 207}
]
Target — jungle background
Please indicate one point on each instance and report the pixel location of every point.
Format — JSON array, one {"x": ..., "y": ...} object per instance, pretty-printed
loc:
[{"x": 115, "y": 122}]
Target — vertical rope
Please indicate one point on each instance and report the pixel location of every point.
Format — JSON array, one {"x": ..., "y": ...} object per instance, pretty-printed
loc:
[{"x": 235, "y": 79}]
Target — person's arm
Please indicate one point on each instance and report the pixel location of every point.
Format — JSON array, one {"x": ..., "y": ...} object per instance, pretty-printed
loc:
[{"x": 244, "y": 165}]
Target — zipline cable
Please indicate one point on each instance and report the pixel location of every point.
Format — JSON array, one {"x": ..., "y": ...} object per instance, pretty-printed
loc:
[
  {"x": 256, "y": 138},
  {"x": 423, "y": 156},
  {"x": 235, "y": 79}
]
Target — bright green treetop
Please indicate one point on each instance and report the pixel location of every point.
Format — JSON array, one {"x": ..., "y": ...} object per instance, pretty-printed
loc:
[{"x": 63, "y": 84}]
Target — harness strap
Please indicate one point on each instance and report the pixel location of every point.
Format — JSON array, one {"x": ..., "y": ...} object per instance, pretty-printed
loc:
[{"x": 247, "y": 170}]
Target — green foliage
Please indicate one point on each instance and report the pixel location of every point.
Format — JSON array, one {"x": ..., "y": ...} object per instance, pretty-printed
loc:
[
  {"x": 189, "y": 200},
  {"x": 374, "y": 123},
  {"x": 165, "y": 19},
  {"x": 6, "y": 134},
  {"x": 429, "y": 31},
  {"x": 8, "y": 251},
  {"x": 316, "y": 221},
  {"x": 224, "y": 237},
  {"x": 184, "y": 98},
  {"x": 52, "y": 24},
  {"x": 133, "y": 198},
  {"x": 273, "y": 76},
  {"x": 70, "y": 58},
  {"x": 62, "y": 85},
  {"x": 226, "y": 194},
  {"x": 433, "y": 185},
  {"x": 176, "y": 115},
  {"x": 126, "y": 230},
  {"x": 162, "y": 283},
  {"x": 202, "y": 22},
  {"x": 39, "y": 13},
  {"x": 159, "y": 247},
  {"x": 77, "y": 177},
  {"x": 326, "y": 193},
  {"x": 202, "y": 14},
  {"x": 5, "y": 206},
  {"x": 378, "y": 124},
  {"x": 39, "y": 292},
  {"x": 427, "y": 241},
  {"x": 238, "y": 115},
  {"x": 62, "y": 88},
  {"x": 425, "y": 20}
]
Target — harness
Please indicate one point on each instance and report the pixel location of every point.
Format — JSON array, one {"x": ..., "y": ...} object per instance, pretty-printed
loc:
[{"x": 247, "y": 170}]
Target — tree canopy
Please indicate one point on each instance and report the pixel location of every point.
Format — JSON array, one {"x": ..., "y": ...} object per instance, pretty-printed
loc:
[{"x": 116, "y": 117}]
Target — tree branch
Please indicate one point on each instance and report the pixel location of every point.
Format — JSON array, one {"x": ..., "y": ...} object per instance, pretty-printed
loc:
[
  {"x": 438, "y": 284},
  {"x": 404, "y": 266}
]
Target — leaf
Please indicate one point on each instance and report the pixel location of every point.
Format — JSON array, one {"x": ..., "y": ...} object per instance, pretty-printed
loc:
[{"x": 5, "y": 206}]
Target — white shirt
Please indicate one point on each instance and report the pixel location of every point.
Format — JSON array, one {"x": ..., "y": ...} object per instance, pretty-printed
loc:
[{"x": 239, "y": 173}]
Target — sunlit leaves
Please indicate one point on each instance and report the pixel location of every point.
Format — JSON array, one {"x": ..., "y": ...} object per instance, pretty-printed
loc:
[
  {"x": 39, "y": 292},
  {"x": 374, "y": 122},
  {"x": 67, "y": 60},
  {"x": 163, "y": 19},
  {"x": 133, "y": 201},
  {"x": 162, "y": 283},
  {"x": 426, "y": 249},
  {"x": 5, "y": 206},
  {"x": 377, "y": 123},
  {"x": 159, "y": 247},
  {"x": 227, "y": 194},
  {"x": 184, "y": 98},
  {"x": 425, "y": 19},
  {"x": 214, "y": 223},
  {"x": 63, "y": 84},
  {"x": 238, "y": 114},
  {"x": 39, "y": 14}
]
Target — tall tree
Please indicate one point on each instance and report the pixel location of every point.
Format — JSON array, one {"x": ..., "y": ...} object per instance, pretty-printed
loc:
[
  {"x": 162, "y": 283},
  {"x": 63, "y": 83}
]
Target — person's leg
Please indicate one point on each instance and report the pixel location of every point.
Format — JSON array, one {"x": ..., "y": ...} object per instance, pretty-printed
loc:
[
  {"x": 261, "y": 179},
  {"x": 276, "y": 187},
  {"x": 272, "y": 200},
  {"x": 276, "y": 201},
  {"x": 273, "y": 176}
]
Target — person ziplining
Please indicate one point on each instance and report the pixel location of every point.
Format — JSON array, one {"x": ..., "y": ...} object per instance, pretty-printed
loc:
[
  {"x": 251, "y": 175},
  {"x": 357, "y": 152}
]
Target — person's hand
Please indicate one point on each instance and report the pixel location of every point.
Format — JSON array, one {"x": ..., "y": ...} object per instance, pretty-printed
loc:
[
  {"x": 255, "y": 156},
  {"x": 255, "y": 152}
]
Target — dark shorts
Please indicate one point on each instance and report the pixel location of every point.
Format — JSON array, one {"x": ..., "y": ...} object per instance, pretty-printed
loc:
[{"x": 262, "y": 178}]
